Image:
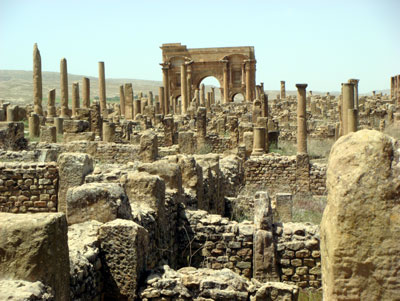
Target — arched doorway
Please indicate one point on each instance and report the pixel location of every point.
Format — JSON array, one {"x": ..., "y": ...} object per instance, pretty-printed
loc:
[
  {"x": 238, "y": 98},
  {"x": 211, "y": 84}
]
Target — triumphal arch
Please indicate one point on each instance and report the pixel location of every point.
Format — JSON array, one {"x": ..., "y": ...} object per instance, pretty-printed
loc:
[{"x": 185, "y": 68}]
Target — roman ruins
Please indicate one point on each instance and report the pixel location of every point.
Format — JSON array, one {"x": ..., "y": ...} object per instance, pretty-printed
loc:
[{"x": 182, "y": 193}]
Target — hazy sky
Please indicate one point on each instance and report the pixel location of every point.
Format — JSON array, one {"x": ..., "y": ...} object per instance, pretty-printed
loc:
[{"x": 322, "y": 43}]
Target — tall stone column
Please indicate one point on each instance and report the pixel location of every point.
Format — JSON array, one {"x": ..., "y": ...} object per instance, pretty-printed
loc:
[
  {"x": 51, "y": 103},
  {"x": 201, "y": 127},
  {"x": 128, "y": 101},
  {"x": 184, "y": 96},
  {"x": 85, "y": 93},
  {"x": 283, "y": 89},
  {"x": 226, "y": 84},
  {"x": 258, "y": 141},
  {"x": 248, "y": 82},
  {"x": 161, "y": 99},
  {"x": 348, "y": 103},
  {"x": 166, "y": 89},
  {"x": 202, "y": 95},
  {"x": 264, "y": 105},
  {"x": 352, "y": 116},
  {"x": 64, "y": 88},
  {"x": 75, "y": 98},
  {"x": 37, "y": 81},
  {"x": 301, "y": 119},
  {"x": 243, "y": 75},
  {"x": 122, "y": 99},
  {"x": 102, "y": 88},
  {"x": 263, "y": 122},
  {"x": 189, "y": 87}
]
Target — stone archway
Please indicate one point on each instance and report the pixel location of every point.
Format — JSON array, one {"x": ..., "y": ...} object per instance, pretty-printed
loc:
[
  {"x": 237, "y": 98},
  {"x": 233, "y": 67}
]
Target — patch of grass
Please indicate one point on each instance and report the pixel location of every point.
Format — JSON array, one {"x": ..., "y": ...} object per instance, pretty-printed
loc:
[
  {"x": 308, "y": 208},
  {"x": 310, "y": 295}
]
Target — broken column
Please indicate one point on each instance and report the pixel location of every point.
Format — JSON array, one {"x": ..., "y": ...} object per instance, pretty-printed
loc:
[
  {"x": 148, "y": 147},
  {"x": 128, "y": 102},
  {"x": 37, "y": 81},
  {"x": 59, "y": 122},
  {"x": 263, "y": 122},
  {"x": 161, "y": 99},
  {"x": 108, "y": 131},
  {"x": 283, "y": 89},
  {"x": 51, "y": 103},
  {"x": 348, "y": 103},
  {"x": 122, "y": 100},
  {"x": 184, "y": 90},
  {"x": 169, "y": 131},
  {"x": 64, "y": 88},
  {"x": 201, "y": 127},
  {"x": 48, "y": 134},
  {"x": 258, "y": 141},
  {"x": 233, "y": 128},
  {"x": 202, "y": 96},
  {"x": 352, "y": 120},
  {"x": 85, "y": 93},
  {"x": 102, "y": 89},
  {"x": 136, "y": 108},
  {"x": 165, "y": 69},
  {"x": 34, "y": 125},
  {"x": 75, "y": 98}
]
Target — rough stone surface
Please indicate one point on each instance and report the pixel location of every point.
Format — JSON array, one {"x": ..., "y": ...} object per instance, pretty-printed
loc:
[
  {"x": 20, "y": 290},
  {"x": 360, "y": 229},
  {"x": 102, "y": 202},
  {"x": 35, "y": 248}
]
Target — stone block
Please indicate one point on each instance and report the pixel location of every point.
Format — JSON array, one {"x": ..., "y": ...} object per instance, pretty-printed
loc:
[{"x": 75, "y": 126}]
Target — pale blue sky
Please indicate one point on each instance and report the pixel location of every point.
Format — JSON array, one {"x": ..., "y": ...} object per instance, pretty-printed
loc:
[{"x": 322, "y": 43}]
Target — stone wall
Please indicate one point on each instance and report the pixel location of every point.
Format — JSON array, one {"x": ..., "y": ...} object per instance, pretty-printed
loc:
[
  {"x": 218, "y": 144},
  {"x": 318, "y": 179},
  {"x": 28, "y": 187},
  {"x": 211, "y": 241},
  {"x": 298, "y": 255}
]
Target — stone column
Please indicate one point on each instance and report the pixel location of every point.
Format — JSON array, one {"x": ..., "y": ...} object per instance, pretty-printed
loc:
[
  {"x": 48, "y": 134},
  {"x": 352, "y": 120},
  {"x": 264, "y": 105},
  {"x": 51, "y": 103},
  {"x": 161, "y": 99},
  {"x": 10, "y": 114},
  {"x": 75, "y": 98},
  {"x": 201, "y": 127},
  {"x": 258, "y": 141},
  {"x": 283, "y": 90},
  {"x": 108, "y": 132},
  {"x": 184, "y": 96},
  {"x": 136, "y": 108},
  {"x": 34, "y": 125},
  {"x": 197, "y": 96},
  {"x": 355, "y": 82},
  {"x": 263, "y": 122},
  {"x": 243, "y": 74},
  {"x": 169, "y": 131},
  {"x": 37, "y": 81},
  {"x": 64, "y": 88},
  {"x": 166, "y": 89},
  {"x": 208, "y": 101},
  {"x": 102, "y": 88},
  {"x": 128, "y": 102},
  {"x": 189, "y": 87},
  {"x": 150, "y": 98},
  {"x": 213, "y": 95},
  {"x": 122, "y": 99},
  {"x": 301, "y": 119},
  {"x": 59, "y": 122},
  {"x": 85, "y": 93},
  {"x": 248, "y": 82},
  {"x": 348, "y": 103},
  {"x": 233, "y": 125},
  {"x": 226, "y": 84},
  {"x": 202, "y": 96}
]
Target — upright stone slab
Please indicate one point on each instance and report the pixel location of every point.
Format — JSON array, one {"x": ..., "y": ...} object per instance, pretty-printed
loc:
[
  {"x": 148, "y": 147},
  {"x": 96, "y": 121},
  {"x": 73, "y": 168},
  {"x": 34, "y": 247},
  {"x": 169, "y": 131},
  {"x": 360, "y": 228},
  {"x": 201, "y": 127},
  {"x": 37, "y": 81},
  {"x": 124, "y": 250}
]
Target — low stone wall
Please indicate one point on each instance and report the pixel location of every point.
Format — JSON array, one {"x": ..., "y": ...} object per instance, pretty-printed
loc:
[
  {"x": 28, "y": 187},
  {"x": 211, "y": 241},
  {"x": 318, "y": 179},
  {"x": 218, "y": 144},
  {"x": 298, "y": 255}
]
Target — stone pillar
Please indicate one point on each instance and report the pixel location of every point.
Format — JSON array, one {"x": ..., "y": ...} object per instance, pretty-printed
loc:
[
  {"x": 150, "y": 98},
  {"x": 248, "y": 141},
  {"x": 226, "y": 84},
  {"x": 48, "y": 134},
  {"x": 208, "y": 101},
  {"x": 108, "y": 132},
  {"x": 10, "y": 114},
  {"x": 264, "y": 105},
  {"x": 352, "y": 120},
  {"x": 143, "y": 105},
  {"x": 58, "y": 122},
  {"x": 355, "y": 82},
  {"x": 161, "y": 99},
  {"x": 189, "y": 87},
  {"x": 248, "y": 82},
  {"x": 263, "y": 122},
  {"x": 75, "y": 98},
  {"x": 201, "y": 127},
  {"x": 202, "y": 96},
  {"x": 148, "y": 147},
  {"x": 212, "y": 95},
  {"x": 166, "y": 89},
  {"x": 136, "y": 108},
  {"x": 169, "y": 131},
  {"x": 184, "y": 90},
  {"x": 128, "y": 102},
  {"x": 233, "y": 125},
  {"x": 258, "y": 141},
  {"x": 64, "y": 88},
  {"x": 34, "y": 125},
  {"x": 197, "y": 96},
  {"x": 85, "y": 93},
  {"x": 348, "y": 103},
  {"x": 122, "y": 99},
  {"x": 37, "y": 81},
  {"x": 283, "y": 90},
  {"x": 96, "y": 121},
  {"x": 102, "y": 89},
  {"x": 301, "y": 119},
  {"x": 51, "y": 103}
]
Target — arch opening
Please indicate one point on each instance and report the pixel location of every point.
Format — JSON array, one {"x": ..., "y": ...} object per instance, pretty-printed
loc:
[
  {"x": 210, "y": 83},
  {"x": 238, "y": 97}
]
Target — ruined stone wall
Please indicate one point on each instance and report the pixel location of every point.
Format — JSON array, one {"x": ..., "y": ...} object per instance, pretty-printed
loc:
[
  {"x": 218, "y": 144},
  {"x": 298, "y": 254},
  {"x": 318, "y": 179},
  {"x": 211, "y": 241},
  {"x": 28, "y": 187}
]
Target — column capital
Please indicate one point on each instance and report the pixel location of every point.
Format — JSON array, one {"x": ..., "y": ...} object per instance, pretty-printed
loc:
[{"x": 301, "y": 86}]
